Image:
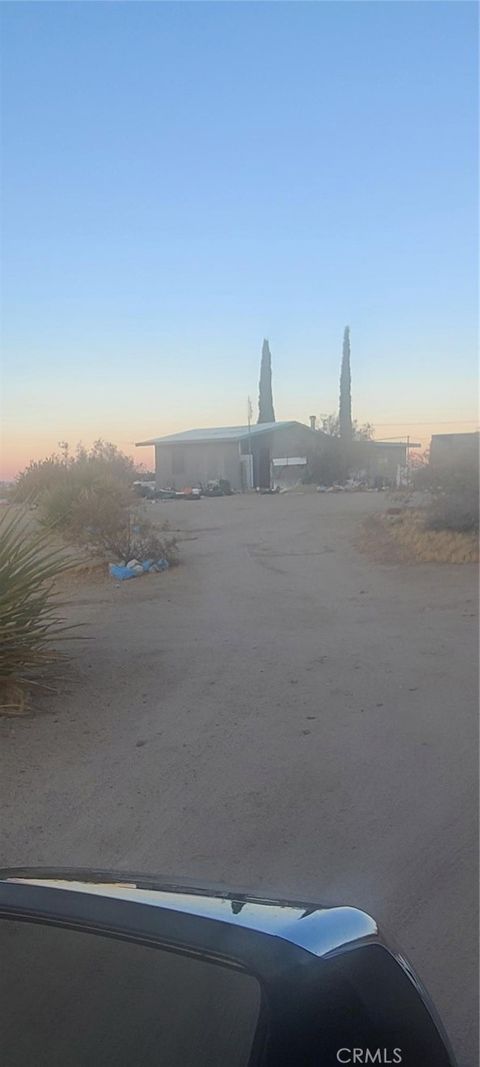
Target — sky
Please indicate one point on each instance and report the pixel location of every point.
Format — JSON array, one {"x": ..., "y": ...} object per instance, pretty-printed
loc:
[{"x": 182, "y": 180}]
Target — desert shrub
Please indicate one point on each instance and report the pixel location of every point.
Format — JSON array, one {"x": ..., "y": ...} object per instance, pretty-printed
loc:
[
  {"x": 141, "y": 540},
  {"x": 456, "y": 477},
  {"x": 29, "y": 620},
  {"x": 454, "y": 489},
  {"x": 57, "y": 504},
  {"x": 37, "y": 478},
  {"x": 104, "y": 518},
  {"x": 90, "y": 500},
  {"x": 76, "y": 471},
  {"x": 455, "y": 509},
  {"x": 72, "y": 507},
  {"x": 111, "y": 525},
  {"x": 422, "y": 478}
]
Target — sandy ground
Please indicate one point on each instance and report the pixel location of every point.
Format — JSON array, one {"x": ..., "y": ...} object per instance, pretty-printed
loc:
[{"x": 280, "y": 713}]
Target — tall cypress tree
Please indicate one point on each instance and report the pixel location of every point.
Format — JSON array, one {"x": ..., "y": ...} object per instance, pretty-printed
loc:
[
  {"x": 266, "y": 412},
  {"x": 345, "y": 407}
]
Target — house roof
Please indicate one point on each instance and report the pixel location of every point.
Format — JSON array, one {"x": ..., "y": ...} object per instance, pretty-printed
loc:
[
  {"x": 390, "y": 444},
  {"x": 220, "y": 433},
  {"x": 451, "y": 437}
]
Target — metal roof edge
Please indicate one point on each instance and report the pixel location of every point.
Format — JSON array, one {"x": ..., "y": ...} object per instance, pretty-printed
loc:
[{"x": 243, "y": 431}]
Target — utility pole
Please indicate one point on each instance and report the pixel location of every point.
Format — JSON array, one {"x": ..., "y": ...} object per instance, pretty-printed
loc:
[{"x": 249, "y": 419}]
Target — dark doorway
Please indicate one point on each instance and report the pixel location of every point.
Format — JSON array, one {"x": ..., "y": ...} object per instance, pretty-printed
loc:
[{"x": 263, "y": 467}]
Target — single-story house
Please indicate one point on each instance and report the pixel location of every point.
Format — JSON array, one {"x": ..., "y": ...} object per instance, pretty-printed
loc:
[{"x": 242, "y": 455}]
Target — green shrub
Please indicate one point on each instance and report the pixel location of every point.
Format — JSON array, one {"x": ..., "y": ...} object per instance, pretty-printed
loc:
[{"x": 29, "y": 620}]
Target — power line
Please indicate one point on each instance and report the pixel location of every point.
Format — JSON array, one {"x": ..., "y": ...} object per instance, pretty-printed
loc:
[{"x": 433, "y": 422}]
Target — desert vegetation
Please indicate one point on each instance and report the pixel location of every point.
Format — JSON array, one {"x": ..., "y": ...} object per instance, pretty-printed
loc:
[
  {"x": 62, "y": 509},
  {"x": 87, "y": 497},
  {"x": 31, "y": 624}
]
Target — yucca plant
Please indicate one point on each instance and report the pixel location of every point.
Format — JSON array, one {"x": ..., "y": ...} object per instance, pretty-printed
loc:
[{"x": 30, "y": 624}]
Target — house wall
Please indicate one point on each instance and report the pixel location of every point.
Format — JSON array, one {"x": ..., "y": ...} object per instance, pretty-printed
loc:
[
  {"x": 182, "y": 464},
  {"x": 380, "y": 462},
  {"x": 384, "y": 462},
  {"x": 454, "y": 450},
  {"x": 294, "y": 441},
  {"x": 192, "y": 464},
  {"x": 286, "y": 441}
]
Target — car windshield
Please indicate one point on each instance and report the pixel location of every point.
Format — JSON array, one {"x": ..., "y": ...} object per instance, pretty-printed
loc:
[{"x": 239, "y": 466}]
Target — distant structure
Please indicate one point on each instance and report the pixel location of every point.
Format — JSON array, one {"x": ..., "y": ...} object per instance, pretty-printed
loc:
[
  {"x": 450, "y": 450},
  {"x": 345, "y": 405},
  {"x": 266, "y": 411}
]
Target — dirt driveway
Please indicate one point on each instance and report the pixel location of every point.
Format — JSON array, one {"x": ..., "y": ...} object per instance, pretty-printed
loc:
[{"x": 279, "y": 714}]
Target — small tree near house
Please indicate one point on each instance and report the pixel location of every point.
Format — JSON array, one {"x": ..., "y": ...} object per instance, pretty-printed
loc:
[
  {"x": 334, "y": 459},
  {"x": 360, "y": 432}
]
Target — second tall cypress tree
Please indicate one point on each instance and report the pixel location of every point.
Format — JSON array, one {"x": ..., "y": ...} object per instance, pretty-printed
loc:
[
  {"x": 266, "y": 411},
  {"x": 345, "y": 406}
]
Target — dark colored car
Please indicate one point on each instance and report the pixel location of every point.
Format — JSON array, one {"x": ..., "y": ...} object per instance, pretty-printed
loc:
[{"x": 125, "y": 970}]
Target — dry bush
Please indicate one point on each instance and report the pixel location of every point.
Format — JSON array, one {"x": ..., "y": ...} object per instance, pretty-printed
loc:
[
  {"x": 103, "y": 517},
  {"x": 123, "y": 534},
  {"x": 73, "y": 472},
  {"x": 414, "y": 542},
  {"x": 89, "y": 499},
  {"x": 456, "y": 510}
]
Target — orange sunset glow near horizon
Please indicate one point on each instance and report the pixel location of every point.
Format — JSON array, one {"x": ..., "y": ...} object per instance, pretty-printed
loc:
[{"x": 19, "y": 448}]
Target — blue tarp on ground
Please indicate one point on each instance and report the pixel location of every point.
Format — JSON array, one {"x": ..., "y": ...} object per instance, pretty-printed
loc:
[{"x": 122, "y": 574}]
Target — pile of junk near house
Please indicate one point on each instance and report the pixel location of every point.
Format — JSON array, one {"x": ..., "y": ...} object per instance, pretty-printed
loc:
[{"x": 216, "y": 487}]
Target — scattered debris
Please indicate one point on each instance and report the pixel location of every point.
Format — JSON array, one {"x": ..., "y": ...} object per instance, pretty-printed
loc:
[
  {"x": 352, "y": 485},
  {"x": 144, "y": 489},
  {"x": 218, "y": 487},
  {"x": 163, "y": 494},
  {"x": 135, "y": 568}
]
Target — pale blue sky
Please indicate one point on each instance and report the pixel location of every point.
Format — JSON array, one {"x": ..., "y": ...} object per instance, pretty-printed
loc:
[{"x": 181, "y": 180}]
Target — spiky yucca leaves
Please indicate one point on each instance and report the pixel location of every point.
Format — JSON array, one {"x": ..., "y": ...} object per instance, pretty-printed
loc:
[{"x": 30, "y": 623}]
